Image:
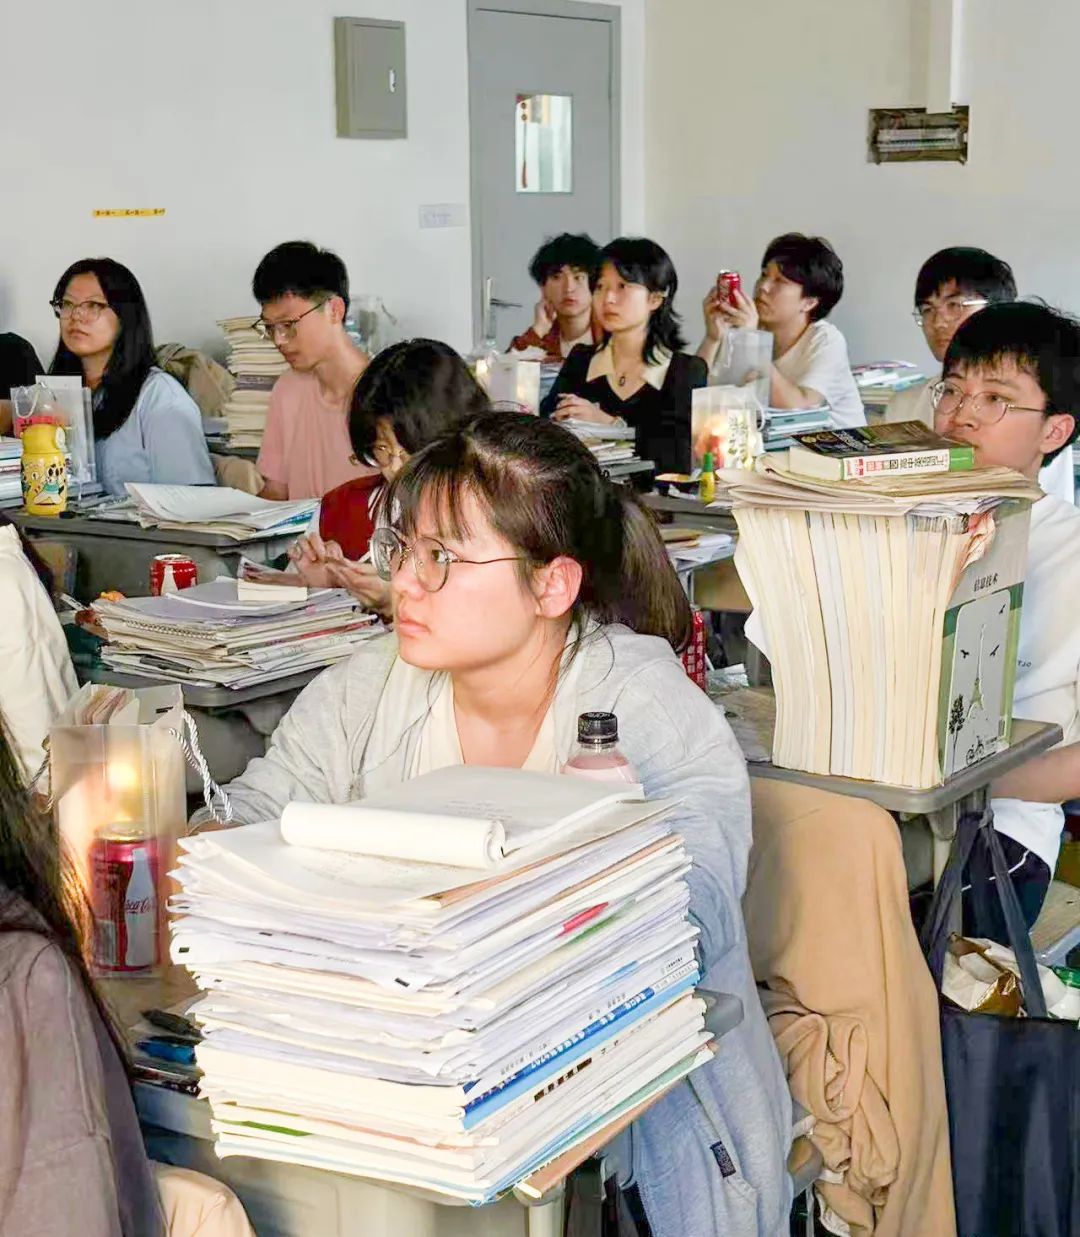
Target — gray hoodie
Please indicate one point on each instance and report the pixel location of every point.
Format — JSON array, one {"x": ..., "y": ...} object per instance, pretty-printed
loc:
[{"x": 710, "y": 1158}]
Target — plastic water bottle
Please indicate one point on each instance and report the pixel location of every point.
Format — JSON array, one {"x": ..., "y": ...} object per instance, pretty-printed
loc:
[{"x": 597, "y": 754}]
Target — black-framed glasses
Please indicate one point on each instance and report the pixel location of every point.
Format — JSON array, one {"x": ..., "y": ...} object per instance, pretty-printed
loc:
[
  {"x": 951, "y": 310},
  {"x": 985, "y": 407},
  {"x": 287, "y": 329},
  {"x": 431, "y": 560},
  {"x": 89, "y": 311}
]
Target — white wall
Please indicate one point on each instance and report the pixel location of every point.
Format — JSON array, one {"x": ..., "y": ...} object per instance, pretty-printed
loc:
[
  {"x": 756, "y": 125},
  {"x": 223, "y": 113}
]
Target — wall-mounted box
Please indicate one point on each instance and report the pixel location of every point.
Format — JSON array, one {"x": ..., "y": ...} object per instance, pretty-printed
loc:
[
  {"x": 912, "y": 134},
  {"x": 369, "y": 68}
]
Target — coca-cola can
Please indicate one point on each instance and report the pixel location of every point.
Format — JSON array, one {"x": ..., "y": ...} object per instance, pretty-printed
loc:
[
  {"x": 727, "y": 284},
  {"x": 124, "y": 875},
  {"x": 169, "y": 573}
]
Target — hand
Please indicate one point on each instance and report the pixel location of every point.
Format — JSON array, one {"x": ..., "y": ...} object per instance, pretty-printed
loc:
[
  {"x": 581, "y": 410},
  {"x": 312, "y": 558},
  {"x": 716, "y": 321},
  {"x": 543, "y": 317},
  {"x": 363, "y": 582}
]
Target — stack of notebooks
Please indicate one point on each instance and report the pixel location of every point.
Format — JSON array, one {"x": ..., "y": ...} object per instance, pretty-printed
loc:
[
  {"x": 611, "y": 444},
  {"x": 257, "y": 365},
  {"x": 689, "y": 548},
  {"x": 206, "y": 635},
  {"x": 879, "y": 381},
  {"x": 780, "y": 424},
  {"x": 446, "y": 985},
  {"x": 220, "y": 510},
  {"x": 889, "y": 608},
  {"x": 10, "y": 472}
]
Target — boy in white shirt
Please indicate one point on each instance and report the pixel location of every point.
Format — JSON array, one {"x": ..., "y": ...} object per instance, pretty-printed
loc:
[
  {"x": 801, "y": 281},
  {"x": 952, "y": 285},
  {"x": 1011, "y": 388}
]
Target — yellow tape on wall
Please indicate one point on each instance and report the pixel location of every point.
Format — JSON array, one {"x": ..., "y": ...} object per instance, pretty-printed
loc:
[{"x": 152, "y": 212}]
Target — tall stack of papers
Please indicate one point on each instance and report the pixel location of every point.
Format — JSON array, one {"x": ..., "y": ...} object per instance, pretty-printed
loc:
[
  {"x": 10, "y": 472},
  {"x": 218, "y": 509},
  {"x": 206, "y": 635},
  {"x": 890, "y": 611},
  {"x": 256, "y": 364},
  {"x": 503, "y": 967}
]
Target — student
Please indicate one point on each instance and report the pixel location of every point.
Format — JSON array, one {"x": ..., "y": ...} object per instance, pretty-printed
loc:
[
  {"x": 409, "y": 394},
  {"x": 38, "y": 678},
  {"x": 146, "y": 426},
  {"x": 1011, "y": 387},
  {"x": 19, "y": 366},
  {"x": 304, "y": 294},
  {"x": 528, "y": 589},
  {"x": 800, "y": 283},
  {"x": 952, "y": 285},
  {"x": 637, "y": 376},
  {"x": 563, "y": 268},
  {"x": 71, "y": 1155}
]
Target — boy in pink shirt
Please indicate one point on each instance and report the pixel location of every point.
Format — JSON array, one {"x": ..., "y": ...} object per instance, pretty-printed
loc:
[{"x": 304, "y": 294}]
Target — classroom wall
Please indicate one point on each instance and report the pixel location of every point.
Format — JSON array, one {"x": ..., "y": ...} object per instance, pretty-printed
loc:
[
  {"x": 223, "y": 113},
  {"x": 757, "y": 119}
]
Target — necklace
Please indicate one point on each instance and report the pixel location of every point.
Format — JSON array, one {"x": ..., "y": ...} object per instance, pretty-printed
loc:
[{"x": 621, "y": 380}]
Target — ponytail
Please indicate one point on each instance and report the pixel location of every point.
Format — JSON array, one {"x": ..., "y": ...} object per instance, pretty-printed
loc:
[{"x": 544, "y": 493}]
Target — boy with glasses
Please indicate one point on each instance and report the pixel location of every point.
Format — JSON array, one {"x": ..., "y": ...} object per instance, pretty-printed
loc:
[
  {"x": 1011, "y": 388},
  {"x": 953, "y": 285},
  {"x": 304, "y": 294}
]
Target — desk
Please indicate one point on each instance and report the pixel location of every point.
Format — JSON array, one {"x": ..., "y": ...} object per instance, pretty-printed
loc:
[
  {"x": 117, "y": 554},
  {"x": 286, "y": 1200},
  {"x": 690, "y": 513},
  {"x": 967, "y": 791}
]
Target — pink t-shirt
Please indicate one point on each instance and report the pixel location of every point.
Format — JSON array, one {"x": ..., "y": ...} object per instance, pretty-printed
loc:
[{"x": 306, "y": 445}]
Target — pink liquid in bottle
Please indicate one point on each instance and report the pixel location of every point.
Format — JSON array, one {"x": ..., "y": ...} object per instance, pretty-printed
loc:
[{"x": 597, "y": 754}]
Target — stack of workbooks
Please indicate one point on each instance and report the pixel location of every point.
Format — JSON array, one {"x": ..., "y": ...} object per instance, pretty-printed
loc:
[
  {"x": 218, "y": 509},
  {"x": 447, "y": 984},
  {"x": 889, "y": 608},
  {"x": 256, "y": 364},
  {"x": 611, "y": 444},
  {"x": 208, "y": 635},
  {"x": 10, "y": 472},
  {"x": 780, "y": 424},
  {"x": 879, "y": 381}
]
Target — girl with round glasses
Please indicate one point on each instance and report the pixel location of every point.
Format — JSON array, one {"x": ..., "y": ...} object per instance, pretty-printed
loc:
[
  {"x": 527, "y": 589},
  {"x": 146, "y": 426}
]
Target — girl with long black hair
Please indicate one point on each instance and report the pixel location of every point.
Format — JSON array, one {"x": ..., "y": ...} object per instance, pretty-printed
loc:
[
  {"x": 637, "y": 375},
  {"x": 147, "y": 426}
]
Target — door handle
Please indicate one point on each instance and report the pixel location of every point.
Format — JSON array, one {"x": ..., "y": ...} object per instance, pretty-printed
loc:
[{"x": 500, "y": 304}]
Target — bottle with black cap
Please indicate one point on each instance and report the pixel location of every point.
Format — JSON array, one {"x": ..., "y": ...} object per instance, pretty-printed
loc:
[{"x": 597, "y": 754}]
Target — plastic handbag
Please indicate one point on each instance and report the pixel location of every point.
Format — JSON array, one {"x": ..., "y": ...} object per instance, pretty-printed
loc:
[{"x": 1012, "y": 1083}]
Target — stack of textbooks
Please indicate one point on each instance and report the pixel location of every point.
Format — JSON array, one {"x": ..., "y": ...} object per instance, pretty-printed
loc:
[
  {"x": 889, "y": 608},
  {"x": 257, "y": 365},
  {"x": 879, "y": 381},
  {"x": 611, "y": 444},
  {"x": 446, "y": 985},
  {"x": 218, "y": 509},
  {"x": 780, "y": 424},
  {"x": 209, "y": 636},
  {"x": 10, "y": 472}
]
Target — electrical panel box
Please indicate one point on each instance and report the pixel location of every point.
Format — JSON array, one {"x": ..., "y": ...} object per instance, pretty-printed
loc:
[{"x": 369, "y": 64}]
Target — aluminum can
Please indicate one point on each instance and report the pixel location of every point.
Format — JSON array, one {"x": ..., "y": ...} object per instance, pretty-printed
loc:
[{"x": 171, "y": 572}]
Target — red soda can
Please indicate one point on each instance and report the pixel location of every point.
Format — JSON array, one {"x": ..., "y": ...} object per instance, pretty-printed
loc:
[
  {"x": 171, "y": 572},
  {"x": 124, "y": 873},
  {"x": 727, "y": 284}
]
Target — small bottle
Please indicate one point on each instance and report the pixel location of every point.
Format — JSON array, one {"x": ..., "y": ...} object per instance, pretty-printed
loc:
[
  {"x": 597, "y": 754},
  {"x": 707, "y": 480}
]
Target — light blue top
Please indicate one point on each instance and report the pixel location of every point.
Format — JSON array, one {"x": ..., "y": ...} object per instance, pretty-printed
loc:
[{"x": 161, "y": 441}]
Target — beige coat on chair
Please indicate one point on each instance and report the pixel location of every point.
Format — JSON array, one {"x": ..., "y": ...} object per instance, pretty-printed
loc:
[{"x": 851, "y": 1005}]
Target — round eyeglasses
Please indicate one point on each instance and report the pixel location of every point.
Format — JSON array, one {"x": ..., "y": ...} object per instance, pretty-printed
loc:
[
  {"x": 985, "y": 407},
  {"x": 951, "y": 310},
  {"x": 431, "y": 560}
]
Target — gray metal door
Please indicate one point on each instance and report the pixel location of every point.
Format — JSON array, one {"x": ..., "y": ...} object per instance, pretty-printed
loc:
[{"x": 543, "y": 104}]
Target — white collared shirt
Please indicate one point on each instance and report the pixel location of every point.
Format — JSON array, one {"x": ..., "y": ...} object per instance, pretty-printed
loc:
[{"x": 602, "y": 365}]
